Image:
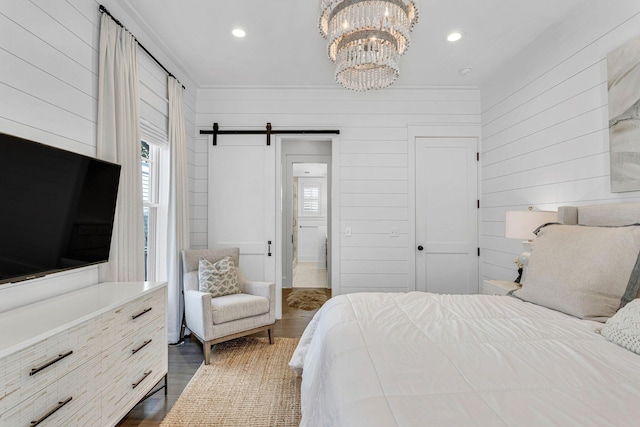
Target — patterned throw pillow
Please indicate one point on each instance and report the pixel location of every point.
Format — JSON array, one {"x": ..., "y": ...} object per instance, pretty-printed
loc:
[
  {"x": 219, "y": 278},
  {"x": 624, "y": 327}
]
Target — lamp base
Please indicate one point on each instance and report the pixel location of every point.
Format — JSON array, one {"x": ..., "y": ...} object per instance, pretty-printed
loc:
[
  {"x": 523, "y": 259},
  {"x": 517, "y": 280}
]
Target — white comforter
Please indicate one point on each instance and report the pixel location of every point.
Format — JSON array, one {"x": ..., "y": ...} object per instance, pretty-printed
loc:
[{"x": 419, "y": 359}]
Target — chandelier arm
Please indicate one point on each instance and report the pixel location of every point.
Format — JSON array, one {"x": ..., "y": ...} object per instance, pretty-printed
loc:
[
  {"x": 348, "y": 3},
  {"x": 367, "y": 34}
]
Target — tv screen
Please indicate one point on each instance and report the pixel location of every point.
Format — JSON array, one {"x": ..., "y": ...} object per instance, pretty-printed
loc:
[{"x": 57, "y": 209}]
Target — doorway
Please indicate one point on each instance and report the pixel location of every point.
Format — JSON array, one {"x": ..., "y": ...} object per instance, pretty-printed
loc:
[
  {"x": 309, "y": 224},
  {"x": 306, "y": 213}
]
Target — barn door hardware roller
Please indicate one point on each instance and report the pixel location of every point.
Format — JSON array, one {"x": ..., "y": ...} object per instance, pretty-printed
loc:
[{"x": 268, "y": 132}]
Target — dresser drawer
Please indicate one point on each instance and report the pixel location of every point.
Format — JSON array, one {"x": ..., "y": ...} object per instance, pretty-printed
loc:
[
  {"x": 89, "y": 415},
  {"x": 60, "y": 402},
  {"x": 116, "y": 406},
  {"x": 130, "y": 375},
  {"x": 120, "y": 322},
  {"x": 133, "y": 347},
  {"x": 35, "y": 367}
]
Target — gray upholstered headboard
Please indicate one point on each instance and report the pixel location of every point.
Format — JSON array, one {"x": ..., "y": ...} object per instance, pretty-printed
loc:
[{"x": 600, "y": 215}]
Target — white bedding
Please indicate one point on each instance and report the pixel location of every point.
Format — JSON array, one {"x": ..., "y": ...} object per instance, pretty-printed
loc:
[{"x": 420, "y": 359}]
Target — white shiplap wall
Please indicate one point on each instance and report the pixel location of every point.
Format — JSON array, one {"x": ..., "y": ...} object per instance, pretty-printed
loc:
[
  {"x": 48, "y": 93},
  {"x": 545, "y": 125},
  {"x": 373, "y": 162}
]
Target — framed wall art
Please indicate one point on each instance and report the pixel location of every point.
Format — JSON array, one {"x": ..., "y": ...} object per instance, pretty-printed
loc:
[{"x": 623, "y": 70}]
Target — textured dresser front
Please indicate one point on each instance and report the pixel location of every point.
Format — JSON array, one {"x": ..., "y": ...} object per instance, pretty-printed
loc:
[
  {"x": 137, "y": 355},
  {"x": 55, "y": 379},
  {"x": 87, "y": 367}
]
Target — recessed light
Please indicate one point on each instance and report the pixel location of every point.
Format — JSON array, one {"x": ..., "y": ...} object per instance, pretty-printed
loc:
[
  {"x": 454, "y": 36},
  {"x": 238, "y": 32}
]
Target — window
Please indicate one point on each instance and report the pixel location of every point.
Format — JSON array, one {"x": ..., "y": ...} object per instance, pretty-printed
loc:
[
  {"x": 311, "y": 200},
  {"x": 154, "y": 146},
  {"x": 150, "y": 204},
  {"x": 154, "y": 207}
]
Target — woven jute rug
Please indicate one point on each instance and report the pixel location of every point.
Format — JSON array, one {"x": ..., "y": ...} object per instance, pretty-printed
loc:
[
  {"x": 248, "y": 384},
  {"x": 306, "y": 299}
]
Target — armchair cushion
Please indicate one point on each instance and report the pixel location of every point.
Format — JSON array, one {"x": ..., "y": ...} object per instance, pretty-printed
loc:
[
  {"x": 218, "y": 278},
  {"x": 237, "y": 306}
]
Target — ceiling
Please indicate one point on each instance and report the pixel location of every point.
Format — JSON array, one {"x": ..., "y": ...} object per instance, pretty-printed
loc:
[{"x": 283, "y": 45}]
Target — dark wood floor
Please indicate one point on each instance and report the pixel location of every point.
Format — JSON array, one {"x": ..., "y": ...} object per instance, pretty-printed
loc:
[{"x": 185, "y": 359}]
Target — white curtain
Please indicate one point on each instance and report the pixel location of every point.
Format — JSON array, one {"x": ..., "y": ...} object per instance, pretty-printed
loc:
[
  {"x": 118, "y": 141},
  {"x": 178, "y": 227}
]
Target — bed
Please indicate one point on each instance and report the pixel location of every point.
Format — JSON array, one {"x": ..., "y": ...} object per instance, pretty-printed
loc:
[{"x": 562, "y": 351}]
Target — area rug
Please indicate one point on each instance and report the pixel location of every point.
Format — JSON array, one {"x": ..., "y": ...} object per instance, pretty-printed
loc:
[
  {"x": 247, "y": 384},
  {"x": 306, "y": 299}
]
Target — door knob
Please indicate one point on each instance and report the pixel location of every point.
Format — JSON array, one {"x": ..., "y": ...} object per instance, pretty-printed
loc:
[{"x": 420, "y": 248}]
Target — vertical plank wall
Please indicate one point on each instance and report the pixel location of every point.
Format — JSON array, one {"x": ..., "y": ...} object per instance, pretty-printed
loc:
[
  {"x": 373, "y": 159},
  {"x": 545, "y": 125},
  {"x": 49, "y": 89}
]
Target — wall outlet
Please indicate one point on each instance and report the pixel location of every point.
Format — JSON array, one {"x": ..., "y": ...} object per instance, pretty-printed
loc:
[
  {"x": 347, "y": 231},
  {"x": 395, "y": 232}
]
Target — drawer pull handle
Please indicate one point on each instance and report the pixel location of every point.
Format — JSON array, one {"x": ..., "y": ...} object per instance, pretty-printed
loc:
[
  {"x": 146, "y": 374},
  {"x": 135, "y": 350},
  {"x": 51, "y": 412},
  {"x": 46, "y": 365},
  {"x": 145, "y": 311}
]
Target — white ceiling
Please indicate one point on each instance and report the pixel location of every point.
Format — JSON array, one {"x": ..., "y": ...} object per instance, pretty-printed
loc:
[{"x": 283, "y": 45}]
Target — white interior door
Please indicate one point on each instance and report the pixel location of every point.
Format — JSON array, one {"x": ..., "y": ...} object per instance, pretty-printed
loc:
[
  {"x": 242, "y": 203},
  {"x": 446, "y": 215}
]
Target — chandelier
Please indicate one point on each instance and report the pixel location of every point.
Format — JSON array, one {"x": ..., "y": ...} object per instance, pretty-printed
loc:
[{"x": 365, "y": 39}]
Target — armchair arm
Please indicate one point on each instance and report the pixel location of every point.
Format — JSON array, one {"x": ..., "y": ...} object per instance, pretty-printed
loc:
[
  {"x": 197, "y": 310},
  {"x": 263, "y": 289}
]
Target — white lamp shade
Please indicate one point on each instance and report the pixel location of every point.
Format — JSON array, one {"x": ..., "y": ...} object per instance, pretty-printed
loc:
[{"x": 522, "y": 224}]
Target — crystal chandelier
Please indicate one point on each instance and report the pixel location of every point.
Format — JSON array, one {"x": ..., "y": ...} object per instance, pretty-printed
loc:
[{"x": 365, "y": 39}]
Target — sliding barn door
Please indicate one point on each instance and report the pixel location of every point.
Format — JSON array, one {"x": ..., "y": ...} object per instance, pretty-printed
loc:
[
  {"x": 242, "y": 202},
  {"x": 446, "y": 215}
]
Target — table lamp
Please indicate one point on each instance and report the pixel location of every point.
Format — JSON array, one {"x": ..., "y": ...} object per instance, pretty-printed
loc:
[{"x": 521, "y": 225}]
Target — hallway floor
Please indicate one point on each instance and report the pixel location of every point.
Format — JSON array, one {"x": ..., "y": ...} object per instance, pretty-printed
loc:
[{"x": 308, "y": 275}]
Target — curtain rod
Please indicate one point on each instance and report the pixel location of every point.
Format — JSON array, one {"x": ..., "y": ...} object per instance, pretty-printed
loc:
[
  {"x": 103, "y": 9},
  {"x": 268, "y": 131}
]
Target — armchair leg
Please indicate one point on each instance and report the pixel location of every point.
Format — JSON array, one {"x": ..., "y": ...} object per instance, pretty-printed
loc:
[
  {"x": 182, "y": 327},
  {"x": 184, "y": 321},
  {"x": 206, "y": 347},
  {"x": 270, "y": 336}
]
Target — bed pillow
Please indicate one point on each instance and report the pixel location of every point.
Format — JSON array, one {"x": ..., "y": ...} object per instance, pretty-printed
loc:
[
  {"x": 218, "y": 278},
  {"x": 624, "y": 327},
  {"x": 583, "y": 271}
]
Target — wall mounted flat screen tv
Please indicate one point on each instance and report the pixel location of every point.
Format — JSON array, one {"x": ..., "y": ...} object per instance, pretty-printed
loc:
[{"x": 56, "y": 209}]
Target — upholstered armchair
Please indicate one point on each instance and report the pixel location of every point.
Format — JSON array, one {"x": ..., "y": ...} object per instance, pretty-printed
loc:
[{"x": 221, "y": 318}]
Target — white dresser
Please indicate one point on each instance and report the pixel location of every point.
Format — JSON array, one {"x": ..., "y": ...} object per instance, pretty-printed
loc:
[{"x": 82, "y": 358}]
